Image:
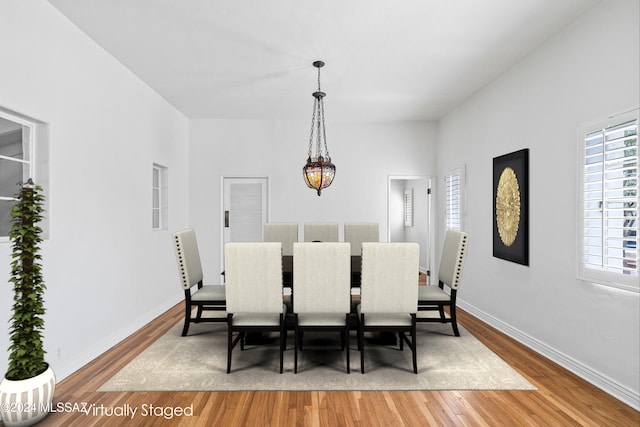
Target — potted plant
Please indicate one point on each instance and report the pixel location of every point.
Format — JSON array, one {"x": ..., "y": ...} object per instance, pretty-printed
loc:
[{"x": 26, "y": 391}]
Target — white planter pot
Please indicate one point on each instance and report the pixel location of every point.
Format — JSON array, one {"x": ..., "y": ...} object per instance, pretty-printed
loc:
[{"x": 26, "y": 402}]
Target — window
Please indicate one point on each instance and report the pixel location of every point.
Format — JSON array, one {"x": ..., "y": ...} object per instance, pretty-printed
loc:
[
  {"x": 609, "y": 202},
  {"x": 454, "y": 184},
  {"x": 408, "y": 208},
  {"x": 159, "y": 205},
  {"x": 23, "y": 155}
]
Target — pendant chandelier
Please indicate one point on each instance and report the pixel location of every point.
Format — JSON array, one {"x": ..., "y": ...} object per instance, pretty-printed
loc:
[{"x": 319, "y": 171}]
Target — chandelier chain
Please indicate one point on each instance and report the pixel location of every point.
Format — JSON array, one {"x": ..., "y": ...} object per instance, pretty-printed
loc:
[
  {"x": 317, "y": 124},
  {"x": 324, "y": 133},
  {"x": 313, "y": 123},
  {"x": 320, "y": 101}
]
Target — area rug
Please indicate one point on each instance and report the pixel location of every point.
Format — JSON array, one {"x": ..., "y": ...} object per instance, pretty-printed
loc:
[{"x": 198, "y": 362}]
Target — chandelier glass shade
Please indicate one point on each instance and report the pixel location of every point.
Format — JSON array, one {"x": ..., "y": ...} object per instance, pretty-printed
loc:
[{"x": 318, "y": 172}]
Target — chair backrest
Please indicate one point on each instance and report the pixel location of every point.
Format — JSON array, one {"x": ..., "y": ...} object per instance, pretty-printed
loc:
[
  {"x": 321, "y": 232},
  {"x": 358, "y": 232},
  {"x": 322, "y": 277},
  {"x": 253, "y": 277},
  {"x": 390, "y": 277},
  {"x": 185, "y": 247},
  {"x": 454, "y": 252},
  {"x": 285, "y": 233}
]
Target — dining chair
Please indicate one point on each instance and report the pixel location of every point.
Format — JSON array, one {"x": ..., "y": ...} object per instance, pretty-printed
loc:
[
  {"x": 254, "y": 293},
  {"x": 389, "y": 293},
  {"x": 321, "y": 232},
  {"x": 205, "y": 297},
  {"x": 322, "y": 277},
  {"x": 358, "y": 232},
  {"x": 432, "y": 297},
  {"x": 285, "y": 233}
]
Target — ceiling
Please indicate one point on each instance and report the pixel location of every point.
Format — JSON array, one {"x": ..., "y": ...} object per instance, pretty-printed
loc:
[{"x": 385, "y": 59}]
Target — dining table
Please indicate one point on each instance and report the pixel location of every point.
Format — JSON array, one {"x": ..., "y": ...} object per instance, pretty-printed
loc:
[{"x": 287, "y": 271}]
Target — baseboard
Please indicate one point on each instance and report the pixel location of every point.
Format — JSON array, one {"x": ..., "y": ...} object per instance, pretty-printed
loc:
[
  {"x": 63, "y": 370},
  {"x": 603, "y": 382}
]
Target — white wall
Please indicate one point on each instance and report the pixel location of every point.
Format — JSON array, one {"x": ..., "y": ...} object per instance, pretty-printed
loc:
[
  {"x": 587, "y": 72},
  {"x": 106, "y": 271},
  {"x": 365, "y": 154}
]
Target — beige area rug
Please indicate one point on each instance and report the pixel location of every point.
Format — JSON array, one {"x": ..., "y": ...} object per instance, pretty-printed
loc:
[{"x": 198, "y": 362}]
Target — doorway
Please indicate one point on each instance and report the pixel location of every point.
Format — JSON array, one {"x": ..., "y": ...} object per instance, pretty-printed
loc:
[
  {"x": 410, "y": 215},
  {"x": 244, "y": 209}
]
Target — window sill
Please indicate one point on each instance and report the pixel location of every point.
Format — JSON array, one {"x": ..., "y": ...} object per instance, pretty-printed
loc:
[{"x": 622, "y": 286}]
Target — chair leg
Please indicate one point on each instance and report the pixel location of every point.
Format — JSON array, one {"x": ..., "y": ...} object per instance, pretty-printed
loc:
[
  {"x": 361, "y": 342},
  {"x": 229, "y": 344},
  {"x": 454, "y": 321},
  {"x": 346, "y": 333},
  {"x": 296, "y": 343},
  {"x": 199, "y": 314},
  {"x": 283, "y": 341},
  {"x": 415, "y": 357},
  {"x": 187, "y": 319},
  {"x": 413, "y": 343}
]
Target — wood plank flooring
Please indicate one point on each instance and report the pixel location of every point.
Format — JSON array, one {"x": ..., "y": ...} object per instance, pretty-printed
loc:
[{"x": 562, "y": 399}]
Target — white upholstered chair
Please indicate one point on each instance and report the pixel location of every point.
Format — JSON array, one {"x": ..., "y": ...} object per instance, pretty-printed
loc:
[
  {"x": 254, "y": 292},
  {"x": 209, "y": 297},
  {"x": 431, "y": 298},
  {"x": 389, "y": 294},
  {"x": 285, "y": 233},
  {"x": 322, "y": 294},
  {"x": 321, "y": 232},
  {"x": 358, "y": 232}
]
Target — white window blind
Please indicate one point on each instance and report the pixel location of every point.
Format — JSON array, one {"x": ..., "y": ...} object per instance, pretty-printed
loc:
[
  {"x": 610, "y": 203},
  {"x": 454, "y": 184}
]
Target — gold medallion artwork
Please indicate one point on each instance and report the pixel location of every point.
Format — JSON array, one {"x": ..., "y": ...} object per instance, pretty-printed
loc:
[{"x": 508, "y": 206}]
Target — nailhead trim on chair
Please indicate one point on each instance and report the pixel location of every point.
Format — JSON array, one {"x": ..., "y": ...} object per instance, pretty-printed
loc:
[
  {"x": 183, "y": 274},
  {"x": 460, "y": 261}
]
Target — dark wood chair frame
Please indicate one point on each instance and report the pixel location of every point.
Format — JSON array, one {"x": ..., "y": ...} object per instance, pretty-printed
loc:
[
  {"x": 205, "y": 305},
  {"x": 452, "y": 261},
  {"x": 242, "y": 332},
  {"x": 428, "y": 305},
  {"x": 344, "y": 338},
  {"x": 402, "y": 332},
  {"x": 189, "y": 247}
]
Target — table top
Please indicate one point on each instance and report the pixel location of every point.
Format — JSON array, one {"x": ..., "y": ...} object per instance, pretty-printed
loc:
[{"x": 287, "y": 270}]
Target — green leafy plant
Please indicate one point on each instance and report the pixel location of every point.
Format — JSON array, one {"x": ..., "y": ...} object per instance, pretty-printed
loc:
[{"x": 26, "y": 352}]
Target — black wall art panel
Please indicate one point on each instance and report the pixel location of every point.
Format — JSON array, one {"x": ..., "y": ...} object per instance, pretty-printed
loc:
[{"x": 511, "y": 207}]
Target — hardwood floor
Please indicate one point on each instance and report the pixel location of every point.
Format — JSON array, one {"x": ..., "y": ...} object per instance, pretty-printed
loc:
[{"x": 562, "y": 399}]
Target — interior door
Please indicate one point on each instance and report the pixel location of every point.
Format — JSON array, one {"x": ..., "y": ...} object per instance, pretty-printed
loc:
[
  {"x": 244, "y": 209},
  {"x": 420, "y": 227}
]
